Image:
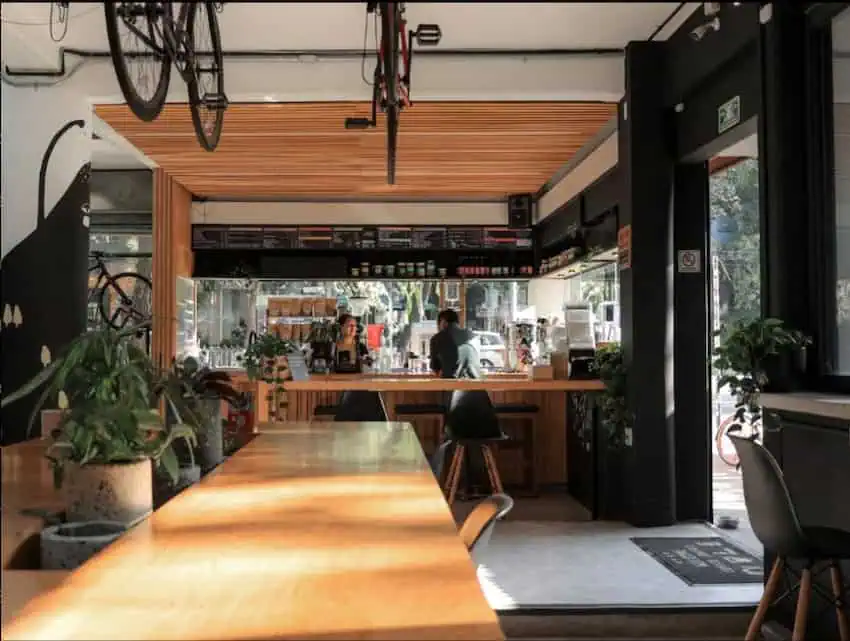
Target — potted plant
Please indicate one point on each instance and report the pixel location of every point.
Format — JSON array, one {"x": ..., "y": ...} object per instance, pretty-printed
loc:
[
  {"x": 107, "y": 436},
  {"x": 615, "y": 420},
  {"x": 200, "y": 391},
  {"x": 265, "y": 360},
  {"x": 755, "y": 356}
]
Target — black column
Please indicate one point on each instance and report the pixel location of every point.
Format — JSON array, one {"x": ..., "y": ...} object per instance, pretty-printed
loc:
[
  {"x": 692, "y": 327},
  {"x": 782, "y": 163},
  {"x": 646, "y": 168}
]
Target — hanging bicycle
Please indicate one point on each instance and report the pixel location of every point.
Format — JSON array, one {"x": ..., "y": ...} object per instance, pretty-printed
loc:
[
  {"x": 391, "y": 78},
  {"x": 123, "y": 300},
  {"x": 145, "y": 39}
]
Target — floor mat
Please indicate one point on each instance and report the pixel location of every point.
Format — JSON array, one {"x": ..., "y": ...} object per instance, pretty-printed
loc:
[{"x": 703, "y": 561}]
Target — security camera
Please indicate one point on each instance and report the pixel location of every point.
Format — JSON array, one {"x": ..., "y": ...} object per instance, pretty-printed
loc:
[
  {"x": 704, "y": 29},
  {"x": 710, "y": 9}
]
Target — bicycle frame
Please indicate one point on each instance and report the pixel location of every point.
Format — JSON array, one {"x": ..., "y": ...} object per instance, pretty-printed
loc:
[{"x": 159, "y": 16}]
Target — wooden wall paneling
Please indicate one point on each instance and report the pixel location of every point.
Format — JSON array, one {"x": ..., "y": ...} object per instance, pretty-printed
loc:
[{"x": 172, "y": 257}]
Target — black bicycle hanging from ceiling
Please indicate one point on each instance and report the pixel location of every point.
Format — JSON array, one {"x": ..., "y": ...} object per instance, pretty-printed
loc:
[
  {"x": 123, "y": 300},
  {"x": 391, "y": 77},
  {"x": 145, "y": 39}
]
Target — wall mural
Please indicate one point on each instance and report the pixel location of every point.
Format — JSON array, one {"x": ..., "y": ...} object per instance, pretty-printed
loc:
[{"x": 44, "y": 287}]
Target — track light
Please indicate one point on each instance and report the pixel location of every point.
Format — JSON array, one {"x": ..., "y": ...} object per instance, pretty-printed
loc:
[
  {"x": 704, "y": 29},
  {"x": 358, "y": 123}
]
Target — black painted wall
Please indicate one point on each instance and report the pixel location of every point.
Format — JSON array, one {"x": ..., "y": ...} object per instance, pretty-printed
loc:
[{"x": 43, "y": 293}]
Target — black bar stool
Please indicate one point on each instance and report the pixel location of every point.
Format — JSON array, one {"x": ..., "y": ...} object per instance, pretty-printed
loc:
[
  {"x": 361, "y": 406},
  {"x": 775, "y": 523},
  {"x": 471, "y": 422},
  {"x": 524, "y": 415}
]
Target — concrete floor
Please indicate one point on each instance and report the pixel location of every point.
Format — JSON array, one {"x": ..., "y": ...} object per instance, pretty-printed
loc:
[{"x": 548, "y": 554}]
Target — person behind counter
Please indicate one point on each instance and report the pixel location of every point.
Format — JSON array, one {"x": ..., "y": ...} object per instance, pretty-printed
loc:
[
  {"x": 452, "y": 353},
  {"x": 350, "y": 352}
]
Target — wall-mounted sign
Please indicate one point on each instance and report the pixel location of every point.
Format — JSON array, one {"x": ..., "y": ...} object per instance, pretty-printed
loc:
[
  {"x": 728, "y": 114},
  {"x": 624, "y": 247},
  {"x": 690, "y": 261}
]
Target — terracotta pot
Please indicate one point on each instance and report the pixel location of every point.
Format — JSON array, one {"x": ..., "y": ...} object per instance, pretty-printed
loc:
[
  {"x": 68, "y": 545},
  {"x": 121, "y": 492}
]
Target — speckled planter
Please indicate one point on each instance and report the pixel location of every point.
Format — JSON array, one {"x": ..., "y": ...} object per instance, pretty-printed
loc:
[
  {"x": 68, "y": 545},
  {"x": 121, "y": 492},
  {"x": 164, "y": 489},
  {"x": 210, "y": 451}
]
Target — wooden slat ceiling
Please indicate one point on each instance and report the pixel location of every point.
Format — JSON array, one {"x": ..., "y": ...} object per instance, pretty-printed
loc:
[{"x": 446, "y": 149}]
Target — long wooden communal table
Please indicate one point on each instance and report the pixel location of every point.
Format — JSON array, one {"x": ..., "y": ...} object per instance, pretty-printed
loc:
[
  {"x": 309, "y": 532},
  {"x": 551, "y": 396}
]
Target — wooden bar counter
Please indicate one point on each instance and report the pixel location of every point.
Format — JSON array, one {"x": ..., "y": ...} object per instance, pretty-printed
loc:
[
  {"x": 549, "y": 395},
  {"x": 309, "y": 532}
]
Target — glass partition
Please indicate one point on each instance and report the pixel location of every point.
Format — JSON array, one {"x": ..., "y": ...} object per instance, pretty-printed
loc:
[{"x": 396, "y": 318}]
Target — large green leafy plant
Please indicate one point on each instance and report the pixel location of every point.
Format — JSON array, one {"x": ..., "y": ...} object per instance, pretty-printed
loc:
[
  {"x": 743, "y": 357},
  {"x": 264, "y": 360},
  {"x": 608, "y": 364},
  {"x": 107, "y": 388}
]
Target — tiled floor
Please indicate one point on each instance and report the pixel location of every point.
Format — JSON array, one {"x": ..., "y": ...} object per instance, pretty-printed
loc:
[{"x": 547, "y": 554}]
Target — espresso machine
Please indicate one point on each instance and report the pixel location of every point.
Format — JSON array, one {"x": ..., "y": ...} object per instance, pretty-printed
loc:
[{"x": 321, "y": 348}]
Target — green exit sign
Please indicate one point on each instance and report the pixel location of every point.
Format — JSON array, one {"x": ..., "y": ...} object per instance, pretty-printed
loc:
[{"x": 728, "y": 114}]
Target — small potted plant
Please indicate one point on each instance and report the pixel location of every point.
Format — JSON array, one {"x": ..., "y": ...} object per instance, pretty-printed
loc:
[
  {"x": 201, "y": 391},
  {"x": 755, "y": 356},
  {"x": 107, "y": 437},
  {"x": 615, "y": 421},
  {"x": 265, "y": 360}
]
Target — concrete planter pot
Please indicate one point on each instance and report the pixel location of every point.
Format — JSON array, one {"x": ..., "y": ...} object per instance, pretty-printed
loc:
[
  {"x": 164, "y": 490},
  {"x": 120, "y": 492},
  {"x": 210, "y": 452},
  {"x": 68, "y": 545}
]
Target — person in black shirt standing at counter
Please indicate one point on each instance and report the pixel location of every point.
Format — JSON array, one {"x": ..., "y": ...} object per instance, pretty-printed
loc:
[{"x": 452, "y": 353}]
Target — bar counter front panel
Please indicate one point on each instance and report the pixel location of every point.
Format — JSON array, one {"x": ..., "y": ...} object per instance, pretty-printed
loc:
[{"x": 550, "y": 438}]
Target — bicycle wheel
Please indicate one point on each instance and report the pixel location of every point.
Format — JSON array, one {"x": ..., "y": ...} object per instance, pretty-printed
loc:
[
  {"x": 126, "y": 300},
  {"x": 132, "y": 28},
  {"x": 207, "y": 100}
]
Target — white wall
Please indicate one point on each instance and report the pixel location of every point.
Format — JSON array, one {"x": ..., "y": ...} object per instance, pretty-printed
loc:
[
  {"x": 30, "y": 117},
  {"x": 362, "y": 213}
]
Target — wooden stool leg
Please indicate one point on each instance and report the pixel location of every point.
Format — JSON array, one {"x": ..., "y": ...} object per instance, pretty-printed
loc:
[
  {"x": 532, "y": 463},
  {"x": 840, "y": 605},
  {"x": 802, "y": 614},
  {"x": 457, "y": 466},
  {"x": 490, "y": 462},
  {"x": 754, "y": 631},
  {"x": 447, "y": 481},
  {"x": 489, "y": 467}
]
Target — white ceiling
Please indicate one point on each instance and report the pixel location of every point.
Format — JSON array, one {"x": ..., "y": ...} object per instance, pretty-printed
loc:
[{"x": 27, "y": 44}]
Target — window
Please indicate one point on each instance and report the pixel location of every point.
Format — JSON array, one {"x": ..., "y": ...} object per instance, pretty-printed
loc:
[{"x": 841, "y": 146}]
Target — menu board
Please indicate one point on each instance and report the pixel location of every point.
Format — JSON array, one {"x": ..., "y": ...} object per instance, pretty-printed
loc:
[
  {"x": 499, "y": 237},
  {"x": 207, "y": 237},
  {"x": 243, "y": 238},
  {"x": 395, "y": 238},
  {"x": 315, "y": 237},
  {"x": 465, "y": 237},
  {"x": 429, "y": 237},
  {"x": 355, "y": 237},
  {"x": 280, "y": 238},
  {"x": 359, "y": 238}
]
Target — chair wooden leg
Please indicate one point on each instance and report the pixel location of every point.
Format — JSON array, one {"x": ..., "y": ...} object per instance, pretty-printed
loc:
[
  {"x": 754, "y": 631},
  {"x": 840, "y": 605},
  {"x": 490, "y": 462},
  {"x": 801, "y": 616},
  {"x": 454, "y": 472}
]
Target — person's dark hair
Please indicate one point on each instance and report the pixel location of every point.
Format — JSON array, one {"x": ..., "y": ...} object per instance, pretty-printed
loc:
[
  {"x": 448, "y": 315},
  {"x": 343, "y": 319}
]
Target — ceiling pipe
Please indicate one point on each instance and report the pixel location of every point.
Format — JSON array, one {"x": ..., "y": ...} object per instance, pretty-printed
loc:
[{"x": 305, "y": 55}]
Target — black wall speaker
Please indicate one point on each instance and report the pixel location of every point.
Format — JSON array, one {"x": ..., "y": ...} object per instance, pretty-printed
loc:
[{"x": 519, "y": 211}]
